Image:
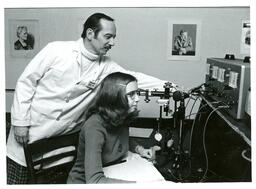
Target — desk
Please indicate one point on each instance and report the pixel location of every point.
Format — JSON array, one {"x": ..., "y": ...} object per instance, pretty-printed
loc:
[
  {"x": 221, "y": 145},
  {"x": 135, "y": 168},
  {"x": 238, "y": 126}
]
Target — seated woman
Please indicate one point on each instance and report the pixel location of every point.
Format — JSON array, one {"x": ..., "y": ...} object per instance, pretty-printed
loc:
[{"x": 104, "y": 138}]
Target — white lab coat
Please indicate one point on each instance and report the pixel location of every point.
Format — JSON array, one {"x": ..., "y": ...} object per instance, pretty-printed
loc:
[{"x": 52, "y": 93}]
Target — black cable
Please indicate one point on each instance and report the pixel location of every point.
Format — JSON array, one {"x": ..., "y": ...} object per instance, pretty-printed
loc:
[
  {"x": 193, "y": 125},
  {"x": 187, "y": 102},
  {"x": 190, "y": 97},
  {"x": 204, "y": 131},
  {"x": 193, "y": 106}
]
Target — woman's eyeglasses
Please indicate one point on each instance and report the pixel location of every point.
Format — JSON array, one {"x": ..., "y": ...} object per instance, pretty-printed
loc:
[{"x": 133, "y": 94}]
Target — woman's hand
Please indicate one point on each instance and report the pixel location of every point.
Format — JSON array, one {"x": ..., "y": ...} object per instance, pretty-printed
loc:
[{"x": 148, "y": 153}]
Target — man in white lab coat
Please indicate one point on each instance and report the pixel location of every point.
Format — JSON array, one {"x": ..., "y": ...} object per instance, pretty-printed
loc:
[{"x": 55, "y": 88}]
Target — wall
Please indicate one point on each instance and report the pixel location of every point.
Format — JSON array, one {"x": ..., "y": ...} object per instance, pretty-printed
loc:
[{"x": 141, "y": 42}]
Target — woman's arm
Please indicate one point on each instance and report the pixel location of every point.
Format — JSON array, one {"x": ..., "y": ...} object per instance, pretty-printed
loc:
[{"x": 94, "y": 142}]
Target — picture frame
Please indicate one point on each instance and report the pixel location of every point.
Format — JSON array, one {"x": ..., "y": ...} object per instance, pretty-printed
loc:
[
  {"x": 245, "y": 42},
  {"x": 184, "y": 40},
  {"x": 24, "y": 37}
]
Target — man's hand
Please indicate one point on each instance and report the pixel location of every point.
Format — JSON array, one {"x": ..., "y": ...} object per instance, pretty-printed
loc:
[
  {"x": 21, "y": 133},
  {"x": 183, "y": 51}
]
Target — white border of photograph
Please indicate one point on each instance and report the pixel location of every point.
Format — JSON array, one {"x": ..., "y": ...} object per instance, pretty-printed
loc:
[{"x": 193, "y": 27}]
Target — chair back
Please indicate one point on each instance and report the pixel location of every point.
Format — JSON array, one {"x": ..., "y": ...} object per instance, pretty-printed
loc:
[{"x": 43, "y": 157}]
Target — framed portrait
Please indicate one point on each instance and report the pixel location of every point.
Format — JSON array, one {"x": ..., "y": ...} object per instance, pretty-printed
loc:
[
  {"x": 24, "y": 37},
  {"x": 245, "y": 37},
  {"x": 183, "y": 40}
]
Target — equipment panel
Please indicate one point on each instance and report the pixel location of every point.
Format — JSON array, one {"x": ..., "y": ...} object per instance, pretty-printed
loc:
[{"x": 228, "y": 82}]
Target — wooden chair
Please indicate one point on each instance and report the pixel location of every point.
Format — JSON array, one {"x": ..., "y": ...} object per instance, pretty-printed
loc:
[{"x": 37, "y": 161}]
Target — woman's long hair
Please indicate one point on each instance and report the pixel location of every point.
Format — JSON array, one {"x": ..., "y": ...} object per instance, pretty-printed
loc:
[{"x": 111, "y": 101}]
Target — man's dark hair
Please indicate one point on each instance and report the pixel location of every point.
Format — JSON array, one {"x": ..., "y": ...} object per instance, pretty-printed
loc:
[
  {"x": 182, "y": 31},
  {"x": 93, "y": 22}
]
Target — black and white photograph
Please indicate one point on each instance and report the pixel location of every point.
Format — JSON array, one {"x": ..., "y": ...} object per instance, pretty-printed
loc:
[
  {"x": 246, "y": 37},
  {"x": 184, "y": 40},
  {"x": 24, "y": 37},
  {"x": 127, "y": 95}
]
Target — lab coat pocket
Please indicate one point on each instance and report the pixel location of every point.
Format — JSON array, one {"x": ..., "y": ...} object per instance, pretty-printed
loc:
[
  {"x": 42, "y": 117},
  {"x": 45, "y": 127}
]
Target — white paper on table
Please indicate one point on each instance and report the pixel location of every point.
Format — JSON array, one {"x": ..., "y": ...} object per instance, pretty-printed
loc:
[{"x": 135, "y": 168}]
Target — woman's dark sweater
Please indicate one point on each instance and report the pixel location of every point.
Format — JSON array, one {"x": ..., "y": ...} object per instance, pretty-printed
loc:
[{"x": 99, "y": 147}]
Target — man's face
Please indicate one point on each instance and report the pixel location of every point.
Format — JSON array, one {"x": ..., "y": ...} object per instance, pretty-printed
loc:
[
  {"x": 105, "y": 39},
  {"x": 184, "y": 35},
  {"x": 23, "y": 34}
]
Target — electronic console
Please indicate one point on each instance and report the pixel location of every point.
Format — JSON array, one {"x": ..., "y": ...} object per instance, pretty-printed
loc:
[{"x": 228, "y": 82}]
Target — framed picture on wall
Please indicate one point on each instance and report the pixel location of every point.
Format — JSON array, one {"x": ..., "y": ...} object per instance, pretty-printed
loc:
[
  {"x": 24, "y": 37},
  {"x": 245, "y": 37},
  {"x": 183, "y": 40}
]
